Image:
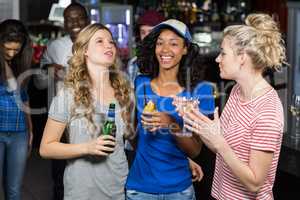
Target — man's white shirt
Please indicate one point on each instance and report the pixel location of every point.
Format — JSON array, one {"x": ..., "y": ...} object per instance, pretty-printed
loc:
[{"x": 58, "y": 51}]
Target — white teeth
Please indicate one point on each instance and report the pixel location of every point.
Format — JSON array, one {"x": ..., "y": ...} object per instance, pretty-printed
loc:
[
  {"x": 108, "y": 53},
  {"x": 76, "y": 29},
  {"x": 166, "y": 57}
]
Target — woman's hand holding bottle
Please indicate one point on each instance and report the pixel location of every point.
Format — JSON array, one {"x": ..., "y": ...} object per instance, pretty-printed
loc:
[{"x": 100, "y": 146}]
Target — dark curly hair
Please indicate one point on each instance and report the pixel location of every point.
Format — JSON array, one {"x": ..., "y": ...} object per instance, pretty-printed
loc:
[
  {"x": 191, "y": 68},
  {"x": 12, "y": 30}
]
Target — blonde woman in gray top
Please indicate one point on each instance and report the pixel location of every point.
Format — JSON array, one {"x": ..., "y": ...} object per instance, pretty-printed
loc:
[{"x": 91, "y": 172}]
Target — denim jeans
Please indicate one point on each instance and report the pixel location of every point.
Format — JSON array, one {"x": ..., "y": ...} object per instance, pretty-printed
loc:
[
  {"x": 187, "y": 194},
  {"x": 13, "y": 155}
]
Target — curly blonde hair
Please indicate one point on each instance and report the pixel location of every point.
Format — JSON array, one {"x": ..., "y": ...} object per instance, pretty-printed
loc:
[
  {"x": 261, "y": 39},
  {"x": 79, "y": 80}
]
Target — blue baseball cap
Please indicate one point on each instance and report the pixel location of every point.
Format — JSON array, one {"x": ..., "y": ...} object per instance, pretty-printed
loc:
[{"x": 177, "y": 26}]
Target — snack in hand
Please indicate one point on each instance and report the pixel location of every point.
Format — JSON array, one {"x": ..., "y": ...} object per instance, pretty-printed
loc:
[{"x": 150, "y": 107}]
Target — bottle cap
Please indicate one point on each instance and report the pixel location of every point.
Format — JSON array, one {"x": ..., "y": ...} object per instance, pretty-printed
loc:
[{"x": 111, "y": 110}]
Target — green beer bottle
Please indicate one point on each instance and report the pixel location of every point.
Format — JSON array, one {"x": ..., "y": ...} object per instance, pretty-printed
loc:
[{"x": 109, "y": 127}]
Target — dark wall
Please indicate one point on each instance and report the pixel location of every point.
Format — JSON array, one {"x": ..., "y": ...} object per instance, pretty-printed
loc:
[
  {"x": 277, "y": 7},
  {"x": 35, "y": 10}
]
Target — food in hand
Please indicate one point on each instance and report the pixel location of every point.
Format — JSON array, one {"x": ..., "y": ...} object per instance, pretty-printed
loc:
[{"x": 150, "y": 107}]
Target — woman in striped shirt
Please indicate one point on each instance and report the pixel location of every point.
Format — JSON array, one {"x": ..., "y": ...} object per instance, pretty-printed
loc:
[{"x": 247, "y": 137}]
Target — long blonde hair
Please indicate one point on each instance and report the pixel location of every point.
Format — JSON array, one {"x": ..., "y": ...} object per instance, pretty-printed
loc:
[
  {"x": 261, "y": 39},
  {"x": 79, "y": 80}
]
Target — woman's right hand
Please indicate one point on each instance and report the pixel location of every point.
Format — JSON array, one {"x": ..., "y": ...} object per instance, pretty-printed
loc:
[
  {"x": 101, "y": 146},
  {"x": 153, "y": 121},
  {"x": 209, "y": 131}
]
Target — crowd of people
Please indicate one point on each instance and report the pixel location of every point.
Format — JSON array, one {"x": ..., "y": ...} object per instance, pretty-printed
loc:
[{"x": 167, "y": 72}]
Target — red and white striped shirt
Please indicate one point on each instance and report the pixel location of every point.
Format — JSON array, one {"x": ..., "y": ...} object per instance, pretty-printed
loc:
[{"x": 258, "y": 125}]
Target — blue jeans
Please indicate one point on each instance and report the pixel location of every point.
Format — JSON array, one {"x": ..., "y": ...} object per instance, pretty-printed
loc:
[
  {"x": 13, "y": 155},
  {"x": 187, "y": 194}
]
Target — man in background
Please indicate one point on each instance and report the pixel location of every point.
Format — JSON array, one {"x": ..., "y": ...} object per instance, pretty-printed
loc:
[
  {"x": 54, "y": 61},
  {"x": 145, "y": 24},
  {"x": 54, "y": 64}
]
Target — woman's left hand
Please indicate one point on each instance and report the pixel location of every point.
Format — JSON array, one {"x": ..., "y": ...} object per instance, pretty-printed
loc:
[
  {"x": 209, "y": 130},
  {"x": 156, "y": 120},
  {"x": 197, "y": 173}
]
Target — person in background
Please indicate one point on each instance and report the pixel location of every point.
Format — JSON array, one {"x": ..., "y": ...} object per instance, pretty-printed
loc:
[
  {"x": 15, "y": 120},
  {"x": 97, "y": 167},
  {"x": 54, "y": 65},
  {"x": 144, "y": 25},
  {"x": 59, "y": 51},
  {"x": 247, "y": 138},
  {"x": 167, "y": 59}
]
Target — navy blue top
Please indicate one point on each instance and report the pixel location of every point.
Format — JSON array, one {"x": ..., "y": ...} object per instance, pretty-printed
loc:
[
  {"x": 160, "y": 166},
  {"x": 12, "y": 117}
]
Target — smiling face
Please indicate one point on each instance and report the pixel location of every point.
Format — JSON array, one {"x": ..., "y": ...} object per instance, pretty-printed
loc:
[
  {"x": 75, "y": 20},
  {"x": 101, "y": 49},
  {"x": 169, "y": 49},
  {"x": 229, "y": 61},
  {"x": 11, "y": 49}
]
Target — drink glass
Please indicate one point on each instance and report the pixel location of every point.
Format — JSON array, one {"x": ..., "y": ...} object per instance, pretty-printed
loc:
[{"x": 184, "y": 104}]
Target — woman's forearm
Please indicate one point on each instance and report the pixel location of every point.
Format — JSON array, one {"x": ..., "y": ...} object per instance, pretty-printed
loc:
[
  {"x": 190, "y": 145},
  {"x": 29, "y": 124},
  {"x": 58, "y": 150},
  {"x": 252, "y": 175},
  {"x": 52, "y": 147}
]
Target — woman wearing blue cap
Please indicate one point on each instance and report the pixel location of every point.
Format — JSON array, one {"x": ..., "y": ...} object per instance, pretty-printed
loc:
[{"x": 167, "y": 59}]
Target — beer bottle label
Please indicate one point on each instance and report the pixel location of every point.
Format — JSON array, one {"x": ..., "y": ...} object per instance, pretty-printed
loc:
[{"x": 109, "y": 127}]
